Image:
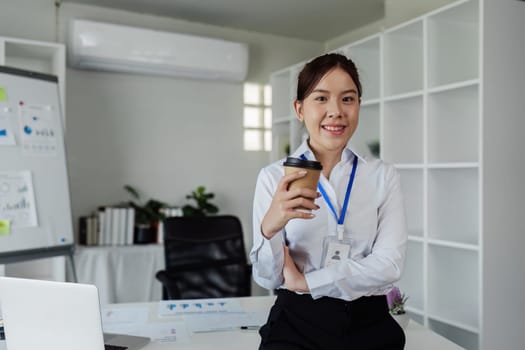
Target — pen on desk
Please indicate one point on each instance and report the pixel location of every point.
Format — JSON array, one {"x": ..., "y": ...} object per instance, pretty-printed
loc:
[
  {"x": 226, "y": 329},
  {"x": 213, "y": 330}
]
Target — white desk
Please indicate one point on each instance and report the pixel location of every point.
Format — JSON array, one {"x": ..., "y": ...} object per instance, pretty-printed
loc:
[
  {"x": 122, "y": 274},
  {"x": 418, "y": 337}
]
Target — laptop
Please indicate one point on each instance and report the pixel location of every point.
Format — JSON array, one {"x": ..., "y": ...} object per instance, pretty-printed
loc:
[{"x": 56, "y": 315}]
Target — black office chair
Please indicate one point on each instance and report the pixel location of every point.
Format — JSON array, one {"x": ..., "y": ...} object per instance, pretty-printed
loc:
[{"x": 205, "y": 258}]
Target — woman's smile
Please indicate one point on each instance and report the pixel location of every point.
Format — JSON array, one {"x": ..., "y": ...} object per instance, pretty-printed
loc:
[{"x": 334, "y": 129}]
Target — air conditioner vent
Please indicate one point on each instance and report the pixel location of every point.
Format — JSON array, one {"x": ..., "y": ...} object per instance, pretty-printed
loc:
[{"x": 111, "y": 47}]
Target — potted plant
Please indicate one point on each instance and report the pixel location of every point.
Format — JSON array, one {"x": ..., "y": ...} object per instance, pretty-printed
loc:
[
  {"x": 147, "y": 217},
  {"x": 374, "y": 148},
  {"x": 204, "y": 207},
  {"x": 396, "y": 306}
]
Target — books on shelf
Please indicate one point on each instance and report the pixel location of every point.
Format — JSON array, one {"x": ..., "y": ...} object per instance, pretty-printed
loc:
[
  {"x": 110, "y": 225},
  {"x": 130, "y": 226},
  {"x": 115, "y": 225}
]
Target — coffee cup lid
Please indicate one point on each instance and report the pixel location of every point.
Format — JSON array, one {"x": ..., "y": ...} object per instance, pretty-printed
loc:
[{"x": 301, "y": 163}]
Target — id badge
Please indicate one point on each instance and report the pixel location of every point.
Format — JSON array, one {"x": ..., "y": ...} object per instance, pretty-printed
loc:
[{"x": 335, "y": 250}]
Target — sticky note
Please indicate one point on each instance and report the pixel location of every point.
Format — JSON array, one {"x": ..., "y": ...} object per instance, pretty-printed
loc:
[
  {"x": 3, "y": 94},
  {"x": 5, "y": 227}
]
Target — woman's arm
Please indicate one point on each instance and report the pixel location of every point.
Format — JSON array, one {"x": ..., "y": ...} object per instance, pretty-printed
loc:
[
  {"x": 383, "y": 266},
  {"x": 273, "y": 208}
]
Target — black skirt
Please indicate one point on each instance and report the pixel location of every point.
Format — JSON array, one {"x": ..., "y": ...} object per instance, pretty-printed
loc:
[{"x": 300, "y": 322}]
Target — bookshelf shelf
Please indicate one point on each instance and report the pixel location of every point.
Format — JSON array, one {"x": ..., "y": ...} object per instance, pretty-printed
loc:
[
  {"x": 403, "y": 131},
  {"x": 403, "y": 59},
  {"x": 453, "y": 86},
  {"x": 453, "y": 44},
  {"x": 366, "y": 103},
  {"x": 450, "y": 244},
  {"x": 412, "y": 284},
  {"x": 281, "y": 120},
  {"x": 453, "y": 116},
  {"x": 366, "y": 56},
  {"x": 404, "y": 96}
]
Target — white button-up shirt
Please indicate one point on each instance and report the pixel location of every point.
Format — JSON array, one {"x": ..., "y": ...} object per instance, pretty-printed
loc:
[{"x": 374, "y": 224}]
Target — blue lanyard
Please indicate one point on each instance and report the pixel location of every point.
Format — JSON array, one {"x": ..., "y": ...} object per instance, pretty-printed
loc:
[{"x": 341, "y": 219}]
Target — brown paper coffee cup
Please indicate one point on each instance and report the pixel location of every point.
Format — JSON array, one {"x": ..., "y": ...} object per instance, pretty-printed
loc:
[{"x": 310, "y": 180}]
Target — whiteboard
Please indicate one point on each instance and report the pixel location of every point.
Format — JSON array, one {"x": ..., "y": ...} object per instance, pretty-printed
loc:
[{"x": 35, "y": 206}]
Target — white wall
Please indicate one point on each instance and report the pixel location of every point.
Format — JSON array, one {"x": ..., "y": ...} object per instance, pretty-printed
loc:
[{"x": 30, "y": 19}]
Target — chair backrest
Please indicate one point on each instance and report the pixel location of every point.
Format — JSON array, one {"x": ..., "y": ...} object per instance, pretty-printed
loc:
[{"x": 205, "y": 258}]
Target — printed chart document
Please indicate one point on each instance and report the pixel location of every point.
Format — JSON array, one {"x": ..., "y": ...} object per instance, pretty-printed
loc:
[
  {"x": 7, "y": 137},
  {"x": 39, "y": 135},
  {"x": 198, "y": 306},
  {"x": 17, "y": 199},
  {"x": 211, "y": 315}
]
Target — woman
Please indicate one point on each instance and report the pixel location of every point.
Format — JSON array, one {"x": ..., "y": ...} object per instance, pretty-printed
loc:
[{"x": 323, "y": 302}]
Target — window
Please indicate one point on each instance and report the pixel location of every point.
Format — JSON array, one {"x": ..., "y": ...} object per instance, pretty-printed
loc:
[{"x": 257, "y": 117}]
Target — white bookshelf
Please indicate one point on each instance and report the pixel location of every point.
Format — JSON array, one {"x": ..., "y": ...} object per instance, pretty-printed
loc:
[
  {"x": 368, "y": 130},
  {"x": 366, "y": 55},
  {"x": 425, "y": 98},
  {"x": 48, "y": 58},
  {"x": 453, "y": 115},
  {"x": 403, "y": 68},
  {"x": 412, "y": 185},
  {"x": 287, "y": 132},
  {"x": 431, "y": 131},
  {"x": 402, "y": 141}
]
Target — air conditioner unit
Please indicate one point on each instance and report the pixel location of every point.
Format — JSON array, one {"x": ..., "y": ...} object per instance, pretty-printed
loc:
[{"x": 110, "y": 47}]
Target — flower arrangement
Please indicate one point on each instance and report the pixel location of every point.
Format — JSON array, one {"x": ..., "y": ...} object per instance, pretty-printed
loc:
[{"x": 396, "y": 301}]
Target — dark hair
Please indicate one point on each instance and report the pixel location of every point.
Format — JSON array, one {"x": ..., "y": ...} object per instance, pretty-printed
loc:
[{"x": 314, "y": 70}]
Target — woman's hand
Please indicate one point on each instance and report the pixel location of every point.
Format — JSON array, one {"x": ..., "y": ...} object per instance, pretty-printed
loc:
[
  {"x": 284, "y": 202},
  {"x": 294, "y": 280}
]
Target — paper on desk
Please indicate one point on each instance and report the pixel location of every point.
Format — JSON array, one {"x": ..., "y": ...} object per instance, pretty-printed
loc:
[
  {"x": 113, "y": 315},
  {"x": 210, "y": 322},
  {"x": 198, "y": 306},
  {"x": 134, "y": 321},
  {"x": 160, "y": 332}
]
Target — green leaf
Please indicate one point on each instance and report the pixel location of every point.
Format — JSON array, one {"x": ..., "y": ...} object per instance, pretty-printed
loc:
[
  {"x": 201, "y": 198},
  {"x": 132, "y": 191}
]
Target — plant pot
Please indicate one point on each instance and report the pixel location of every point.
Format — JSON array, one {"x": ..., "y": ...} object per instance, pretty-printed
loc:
[
  {"x": 402, "y": 319},
  {"x": 144, "y": 234}
]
